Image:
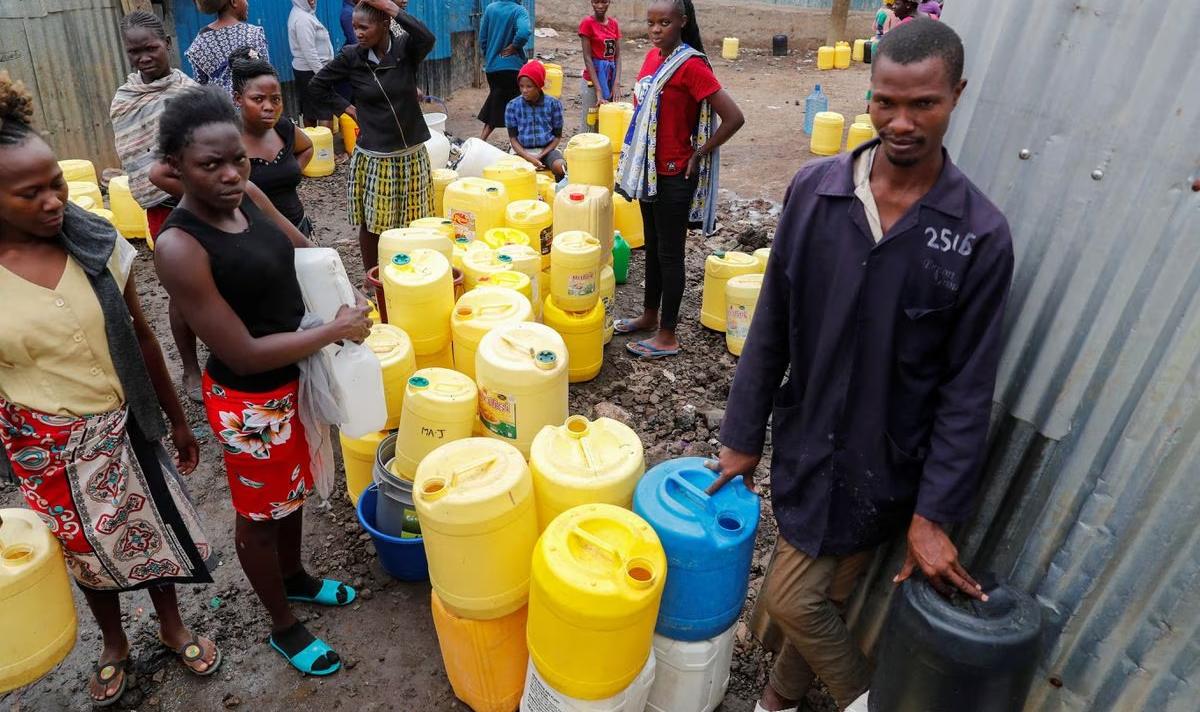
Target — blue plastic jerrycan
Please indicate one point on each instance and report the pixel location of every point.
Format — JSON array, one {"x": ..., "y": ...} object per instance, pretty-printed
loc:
[
  {"x": 709, "y": 541},
  {"x": 813, "y": 105}
]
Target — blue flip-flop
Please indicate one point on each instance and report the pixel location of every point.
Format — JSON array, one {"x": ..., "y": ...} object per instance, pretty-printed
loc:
[
  {"x": 329, "y": 594},
  {"x": 642, "y": 349},
  {"x": 622, "y": 326},
  {"x": 305, "y": 659}
]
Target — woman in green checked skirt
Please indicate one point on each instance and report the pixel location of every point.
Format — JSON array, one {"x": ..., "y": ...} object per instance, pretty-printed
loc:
[{"x": 390, "y": 182}]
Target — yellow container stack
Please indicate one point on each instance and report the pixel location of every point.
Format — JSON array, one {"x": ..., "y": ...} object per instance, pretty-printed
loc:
[
  {"x": 475, "y": 205},
  {"x": 589, "y": 209},
  {"x": 741, "y": 297},
  {"x": 484, "y": 660},
  {"x": 395, "y": 352},
  {"x": 442, "y": 177},
  {"x": 615, "y": 117},
  {"x": 518, "y": 178},
  {"x": 37, "y": 613},
  {"x": 440, "y": 224},
  {"x": 584, "y": 462},
  {"x": 589, "y": 160},
  {"x": 419, "y": 290},
  {"x": 407, "y": 239},
  {"x": 841, "y": 55},
  {"x": 597, "y": 581},
  {"x": 358, "y": 457},
  {"x": 546, "y": 185},
  {"x": 474, "y": 498},
  {"x": 498, "y": 237},
  {"x": 322, "y": 161},
  {"x": 554, "y": 80},
  {"x": 78, "y": 170},
  {"x": 827, "y": 133},
  {"x": 480, "y": 261},
  {"x": 522, "y": 374},
  {"x": 627, "y": 220},
  {"x": 575, "y": 271},
  {"x": 583, "y": 333},
  {"x": 439, "y": 408},
  {"x": 825, "y": 57},
  {"x": 719, "y": 268},
  {"x": 85, "y": 189},
  {"x": 478, "y": 312},
  {"x": 128, "y": 216},
  {"x": 536, "y": 219},
  {"x": 85, "y": 202},
  {"x": 526, "y": 260},
  {"x": 509, "y": 279}
]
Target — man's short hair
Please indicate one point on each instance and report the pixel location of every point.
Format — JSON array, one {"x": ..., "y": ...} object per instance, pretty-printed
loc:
[{"x": 921, "y": 39}]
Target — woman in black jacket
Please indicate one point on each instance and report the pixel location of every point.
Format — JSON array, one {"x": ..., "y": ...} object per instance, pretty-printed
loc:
[{"x": 389, "y": 183}]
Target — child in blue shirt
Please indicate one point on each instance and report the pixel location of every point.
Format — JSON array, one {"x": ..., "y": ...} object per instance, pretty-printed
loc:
[{"x": 535, "y": 122}]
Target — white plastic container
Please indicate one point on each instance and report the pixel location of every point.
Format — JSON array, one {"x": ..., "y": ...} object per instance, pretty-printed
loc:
[
  {"x": 540, "y": 697},
  {"x": 358, "y": 376},
  {"x": 477, "y": 155},
  {"x": 690, "y": 676},
  {"x": 323, "y": 281}
]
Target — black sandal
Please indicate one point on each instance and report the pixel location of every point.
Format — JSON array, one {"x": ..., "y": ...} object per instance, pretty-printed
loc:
[{"x": 104, "y": 674}]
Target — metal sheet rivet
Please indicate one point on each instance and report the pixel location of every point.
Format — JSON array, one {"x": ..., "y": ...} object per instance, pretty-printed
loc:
[
  {"x": 1097, "y": 174},
  {"x": 1025, "y": 154}
]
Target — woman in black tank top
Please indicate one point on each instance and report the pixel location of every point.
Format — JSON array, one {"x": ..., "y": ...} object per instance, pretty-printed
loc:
[{"x": 226, "y": 257}]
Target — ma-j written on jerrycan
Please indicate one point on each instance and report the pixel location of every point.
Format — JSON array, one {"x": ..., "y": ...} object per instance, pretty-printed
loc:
[{"x": 709, "y": 541}]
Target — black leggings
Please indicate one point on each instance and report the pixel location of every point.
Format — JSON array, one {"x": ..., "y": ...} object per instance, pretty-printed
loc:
[{"x": 666, "y": 225}]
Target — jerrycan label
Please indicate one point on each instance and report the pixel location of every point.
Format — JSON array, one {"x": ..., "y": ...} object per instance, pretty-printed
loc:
[
  {"x": 464, "y": 223},
  {"x": 737, "y": 321},
  {"x": 498, "y": 413},
  {"x": 324, "y": 154},
  {"x": 547, "y": 239},
  {"x": 581, "y": 284},
  {"x": 540, "y": 698}
]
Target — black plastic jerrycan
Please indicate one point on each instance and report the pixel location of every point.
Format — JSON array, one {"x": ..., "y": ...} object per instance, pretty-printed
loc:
[{"x": 957, "y": 655}]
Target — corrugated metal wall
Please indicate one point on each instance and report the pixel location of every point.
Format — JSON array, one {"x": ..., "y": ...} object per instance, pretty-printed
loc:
[
  {"x": 47, "y": 44},
  {"x": 1093, "y": 486},
  {"x": 855, "y": 5}
]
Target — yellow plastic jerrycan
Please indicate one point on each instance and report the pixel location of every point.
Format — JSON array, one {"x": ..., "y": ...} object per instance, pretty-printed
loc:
[
  {"x": 536, "y": 219},
  {"x": 598, "y": 573},
  {"x": 474, "y": 498},
  {"x": 498, "y": 237},
  {"x": 527, "y": 261},
  {"x": 348, "y": 127},
  {"x": 37, "y": 613},
  {"x": 545, "y": 186},
  {"x": 615, "y": 117},
  {"x": 554, "y": 80},
  {"x": 583, "y": 333},
  {"x": 589, "y": 209},
  {"x": 827, "y": 133},
  {"x": 480, "y": 261},
  {"x": 85, "y": 189},
  {"x": 521, "y": 370},
  {"x": 395, "y": 352},
  {"x": 419, "y": 290},
  {"x": 322, "y": 160},
  {"x": 718, "y": 269},
  {"x": 407, "y": 239},
  {"x": 729, "y": 48},
  {"x": 78, "y": 170},
  {"x": 858, "y": 135},
  {"x": 575, "y": 271},
  {"x": 762, "y": 254},
  {"x": 475, "y": 205},
  {"x": 358, "y": 457},
  {"x": 442, "y": 177},
  {"x": 518, "y": 177},
  {"x": 440, "y": 224},
  {"x": 857, "y": 53},
  {"x": 478, "y": 312},
  {"x": 509, "y": 279},
  {"x": 439, "y": 408},
  {"x": 85, "y": 202},
  {"x": 841, "y": 55},
  {"x": 128, "y": 216},
  {"x": 608, "y": 300},
  {"x": 825, "y": 57},
  {"x": 584, "y": 462},
  {"x": 741, "y": 297},
  {"x": 589, "y": 160},
  {"x": 463, "y": 245},
  {"x": 484, "y": 660},
  {"x": 108, "y": 215},
  {"x": 627, "y": 220},
  {"x": 439, "y": 359}
]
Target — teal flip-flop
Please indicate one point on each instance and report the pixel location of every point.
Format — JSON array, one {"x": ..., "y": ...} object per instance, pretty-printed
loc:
[
  {"x": 643, "y": 349},
  {"x": 305, "y": 659},
  {"x": 332, "y": 593}
]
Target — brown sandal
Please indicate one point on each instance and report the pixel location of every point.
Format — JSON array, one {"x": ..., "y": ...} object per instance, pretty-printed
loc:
[
  {"x": 104, "y": 674},
  {"x": 192, "y": 652}
]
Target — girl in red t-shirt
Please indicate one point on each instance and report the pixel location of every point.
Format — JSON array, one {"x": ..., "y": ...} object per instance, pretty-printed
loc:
[
  {"x": 670, "y": 164},
  {"x": 601, "y": 38}
]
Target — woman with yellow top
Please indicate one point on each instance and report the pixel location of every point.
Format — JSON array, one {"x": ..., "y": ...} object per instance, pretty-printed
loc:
[{"x": 82, "y": 380}]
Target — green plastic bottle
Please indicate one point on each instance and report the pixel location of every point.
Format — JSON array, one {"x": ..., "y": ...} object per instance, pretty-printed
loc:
[{"x": 620, "y": 258}]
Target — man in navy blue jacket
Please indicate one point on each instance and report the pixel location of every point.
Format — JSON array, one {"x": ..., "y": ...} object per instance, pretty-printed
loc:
[{"x": 883, "y": 305}]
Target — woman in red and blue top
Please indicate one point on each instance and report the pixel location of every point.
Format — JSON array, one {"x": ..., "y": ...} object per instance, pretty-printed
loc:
[{"x": 601, "y": 37}]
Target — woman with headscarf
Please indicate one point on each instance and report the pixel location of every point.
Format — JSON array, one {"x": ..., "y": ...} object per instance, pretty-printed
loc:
[
  {"x": 82, "y": 382},
  {"x": 210, "y": 51}
]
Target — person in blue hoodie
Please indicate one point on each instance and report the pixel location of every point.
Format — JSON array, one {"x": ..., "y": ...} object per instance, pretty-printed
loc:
[{"x": 503, "y": 34}]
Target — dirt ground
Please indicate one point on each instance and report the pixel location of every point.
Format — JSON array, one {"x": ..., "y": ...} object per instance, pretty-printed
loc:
[{"x": 387, "y": 638}]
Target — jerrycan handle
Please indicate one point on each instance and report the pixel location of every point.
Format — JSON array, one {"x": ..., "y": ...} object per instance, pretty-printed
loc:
[
  {"x": 578, "y": 428},
  {"x": 437, "y": 487},
  {"x": 14, "y": 551},
  {"x": 591, "y": 541},
  {"x": 686, "y": 494}
]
